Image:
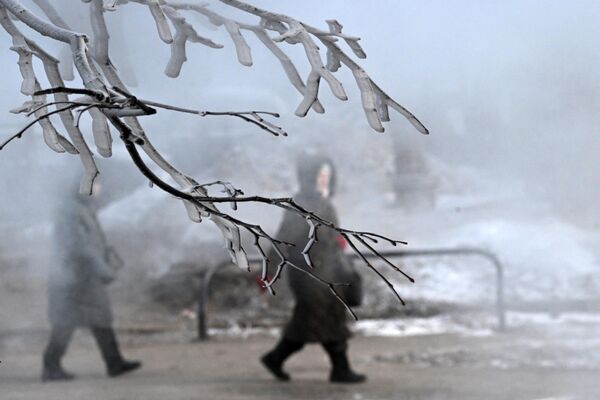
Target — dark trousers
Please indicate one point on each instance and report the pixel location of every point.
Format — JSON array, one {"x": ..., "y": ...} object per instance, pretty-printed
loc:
[
  {"x": 60, "y": 336},
  {"x": 335, "y": 350}
]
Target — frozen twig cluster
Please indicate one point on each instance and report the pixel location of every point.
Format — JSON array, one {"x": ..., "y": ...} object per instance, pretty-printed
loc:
[{"x": 113, "y": 107}]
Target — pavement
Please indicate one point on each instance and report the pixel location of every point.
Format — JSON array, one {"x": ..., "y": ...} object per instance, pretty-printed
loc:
[{"x": 438, "y": 367}]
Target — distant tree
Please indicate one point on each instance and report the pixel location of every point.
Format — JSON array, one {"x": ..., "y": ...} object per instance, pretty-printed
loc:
[{"x": 113, "y": 107}]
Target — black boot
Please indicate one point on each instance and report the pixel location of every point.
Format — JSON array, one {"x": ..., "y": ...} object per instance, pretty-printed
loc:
[
  {"x": 340, "y": 366},
  {"x": 123, "y": 367},
  {"x": 57, "y": 345},
  {"x": 115, "y": 363},
  {"x": 56, "y": 373},
  {"x": 274, "y": 360}
]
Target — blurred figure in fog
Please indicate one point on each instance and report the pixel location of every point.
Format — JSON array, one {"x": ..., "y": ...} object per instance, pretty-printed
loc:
[
  {"x": 318, "y": 317},
  {"x": 77, "y": 287},
  {"x": 413, "y": 182}
]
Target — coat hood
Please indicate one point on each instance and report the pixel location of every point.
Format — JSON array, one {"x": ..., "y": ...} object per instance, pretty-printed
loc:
[{"x": 309, "y": 166}]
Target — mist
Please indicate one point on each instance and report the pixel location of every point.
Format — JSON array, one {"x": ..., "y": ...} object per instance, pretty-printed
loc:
[{"x": 509, "y": 90}]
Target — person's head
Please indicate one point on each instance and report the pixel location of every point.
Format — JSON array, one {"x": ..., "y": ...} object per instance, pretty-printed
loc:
[
  {"x": 316, "y": 175},
  {"x": 324, "y": 180}
]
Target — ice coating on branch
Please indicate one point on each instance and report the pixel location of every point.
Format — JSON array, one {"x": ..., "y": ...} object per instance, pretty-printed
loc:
[
  {"x": 261, "y": 33},
  {"x": 368, "y": 99},
  {"x": 66, "y": 64},
  {"x": 243, "y": 50},
  {"x": 288, "y": 67},
  {"x": 110, "y": 5},
  {"x": 54, "y": 140},
  {"x": 184, "y": 32},
  {"x": 101, "y": 133},
  {"x": 25, "y": 66},
  {"x": 233, "y": 242},
  {"x": 292, "y": 31},
  {"x": 311, "y": 93},
  {"x": 164, "y": 31}
]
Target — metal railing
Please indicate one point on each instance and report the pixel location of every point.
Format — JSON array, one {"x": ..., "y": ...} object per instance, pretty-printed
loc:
[{"x": 209, "y": 274}]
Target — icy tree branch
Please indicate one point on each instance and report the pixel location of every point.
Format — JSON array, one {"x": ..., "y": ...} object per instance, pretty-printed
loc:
[{"x": 110, "y": 103}]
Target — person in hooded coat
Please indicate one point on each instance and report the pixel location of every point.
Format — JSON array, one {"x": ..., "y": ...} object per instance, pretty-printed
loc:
[
  {"x": 77, "y": 286},
  {"x": 318, "y": 316}
]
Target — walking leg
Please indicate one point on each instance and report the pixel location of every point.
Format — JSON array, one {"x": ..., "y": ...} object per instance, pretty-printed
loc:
[
  {"x": 109, "y": 348},
  {"x": 341, "y": 372},
  {"x": 60, "y": 336},
  {"x": 274, "y": 359}
]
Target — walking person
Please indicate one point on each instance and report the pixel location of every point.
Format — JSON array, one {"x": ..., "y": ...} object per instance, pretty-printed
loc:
[
  {"x": 318, "y": 317},
  {"x": 77, "y": 287}
]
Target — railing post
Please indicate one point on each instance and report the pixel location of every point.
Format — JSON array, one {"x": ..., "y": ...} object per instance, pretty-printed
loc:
[
  {"x": 203, "y": 296},
  {"x": 500, "y": 310},
  {"x": 201, "y": 310}
]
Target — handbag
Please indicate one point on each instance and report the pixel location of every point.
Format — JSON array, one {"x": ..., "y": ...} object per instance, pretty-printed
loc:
[{"x": 346, "y": 273}]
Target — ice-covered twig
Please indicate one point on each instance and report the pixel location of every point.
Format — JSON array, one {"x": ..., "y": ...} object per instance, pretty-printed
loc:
[
  {"x": 243, "y": 50},
  {"x": 294, "y": 31},
  {"x": 368, "y": 264},
  {"x": 164, "y": 32},
  {"x": 55, "y": 141},
  {"x": 184, "y": 32},
  {"x": 253, "y": 117},
  {"x": 46, "y": 115}
]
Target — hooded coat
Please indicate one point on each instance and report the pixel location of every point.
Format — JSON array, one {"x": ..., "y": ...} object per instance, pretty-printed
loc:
[
  {"x": 318, "y": 315},
  {"x": 81, "y": 271}
]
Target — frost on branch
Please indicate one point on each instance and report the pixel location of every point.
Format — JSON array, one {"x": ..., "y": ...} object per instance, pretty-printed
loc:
[{"x": 115, "y": 109}]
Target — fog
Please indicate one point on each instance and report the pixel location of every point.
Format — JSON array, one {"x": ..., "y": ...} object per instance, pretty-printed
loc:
[{"x": 509, "y": 90}]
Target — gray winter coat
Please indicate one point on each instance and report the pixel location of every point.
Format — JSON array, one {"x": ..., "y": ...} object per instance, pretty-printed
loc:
[
  {"x": 81, "y": 269},
  {"x": 318, "y": 316}
]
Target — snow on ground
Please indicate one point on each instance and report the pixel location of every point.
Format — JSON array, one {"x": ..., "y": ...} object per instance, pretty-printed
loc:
[
  {"x": 468, "y": 324},
  {"x": 532, "y": 340},
  {"x": 478, "y": 324},
  {"x": 541, "y": 256},
  {"x": 545, "y": 256},
  {"x": 418, "y": 326}
]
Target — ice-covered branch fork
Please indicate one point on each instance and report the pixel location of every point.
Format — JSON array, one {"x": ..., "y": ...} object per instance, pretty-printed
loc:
[
  {"x": 111, "y": 104},
  {"x": 375, "y": 101}
]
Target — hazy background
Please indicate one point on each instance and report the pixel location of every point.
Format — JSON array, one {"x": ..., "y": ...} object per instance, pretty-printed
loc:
[
  {"x": 509, "y": 90},
  {"x": 507, "y": 87}
]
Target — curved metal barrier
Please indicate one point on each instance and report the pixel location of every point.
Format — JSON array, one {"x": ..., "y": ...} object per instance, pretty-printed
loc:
[{"x": 208, "y": 275}]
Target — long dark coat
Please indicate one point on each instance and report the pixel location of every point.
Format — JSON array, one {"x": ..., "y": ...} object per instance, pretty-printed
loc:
[
  {"x": 80, "y": 272},
  {"x": 318, "y": 316}
]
